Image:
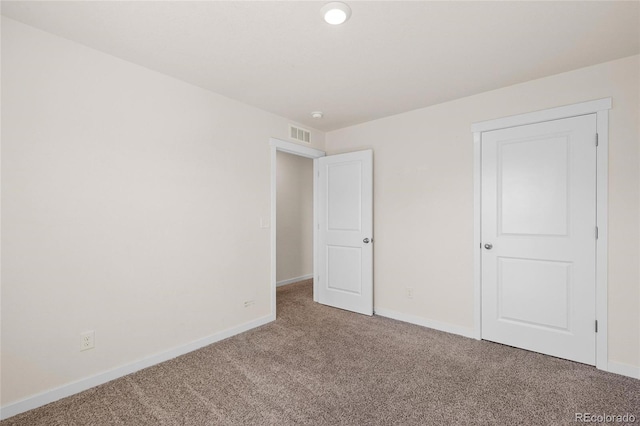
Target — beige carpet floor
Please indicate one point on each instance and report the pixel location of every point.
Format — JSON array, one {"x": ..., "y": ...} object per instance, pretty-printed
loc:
[{"x": 318, "y": 365}]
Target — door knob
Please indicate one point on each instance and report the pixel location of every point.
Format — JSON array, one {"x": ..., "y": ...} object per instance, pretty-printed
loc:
[
  {"x": 488, "y": 246},
  {"x": 366, "y": 241}
]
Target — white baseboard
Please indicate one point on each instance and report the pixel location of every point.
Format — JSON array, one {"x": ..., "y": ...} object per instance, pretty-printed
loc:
[
  {"x": 612, "y": 366},
  {"x": 72, "y": 388},
  {"x": 294, "y": 280},
  {"x": 424, "y": 322},
  {"x": 623, "y": 369}
]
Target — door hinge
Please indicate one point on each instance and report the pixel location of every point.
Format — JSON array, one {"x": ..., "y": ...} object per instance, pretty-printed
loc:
[
  {"x": 596, "y": 139},
  {"x": 596, "y": 232},
  {"x": 596, "y": 326}
]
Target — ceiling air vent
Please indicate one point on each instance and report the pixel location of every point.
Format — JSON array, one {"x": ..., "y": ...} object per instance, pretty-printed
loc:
[{"x": 299, "y": 134}]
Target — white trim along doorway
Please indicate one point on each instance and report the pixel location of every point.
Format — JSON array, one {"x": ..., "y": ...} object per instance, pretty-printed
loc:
[
  {"x": 302, "y": 151},
  {"x": 600, "y": 108}
]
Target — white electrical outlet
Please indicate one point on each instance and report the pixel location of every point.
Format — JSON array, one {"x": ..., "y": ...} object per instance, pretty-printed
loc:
[
  {"x": 409, "y": 292},
  {"x": 87, "y": 340}
]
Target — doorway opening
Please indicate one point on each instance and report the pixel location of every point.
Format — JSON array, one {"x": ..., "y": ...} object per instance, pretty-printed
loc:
[
  {"x": 294, "y": 219},
  {"x": 293, "y": 202}
]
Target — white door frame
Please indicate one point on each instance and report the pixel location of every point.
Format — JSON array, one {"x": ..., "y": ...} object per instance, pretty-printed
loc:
[
  {"x": 302, "y": 151},
  {"x": 601, "y": 108}
]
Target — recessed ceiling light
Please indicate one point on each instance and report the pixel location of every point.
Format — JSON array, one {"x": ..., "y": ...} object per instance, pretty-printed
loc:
[
  {"x": 335, "y": 13},
  {"x": 317, "y": 114}
]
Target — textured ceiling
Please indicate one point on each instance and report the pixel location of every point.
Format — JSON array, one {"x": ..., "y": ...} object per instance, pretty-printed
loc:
[{"x": 390, "y": 57}]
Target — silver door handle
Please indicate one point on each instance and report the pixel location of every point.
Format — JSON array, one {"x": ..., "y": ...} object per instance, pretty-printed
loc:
[
  {"x": 366, "y": 241},
  {"x": 488, "y": 246}
]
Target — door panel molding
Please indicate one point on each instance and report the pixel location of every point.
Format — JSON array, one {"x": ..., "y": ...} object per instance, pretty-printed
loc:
[
  {"x": 345, "y": 227},
  {"x": 600, "y": 107},
  {"x": 538, "y": 280}
]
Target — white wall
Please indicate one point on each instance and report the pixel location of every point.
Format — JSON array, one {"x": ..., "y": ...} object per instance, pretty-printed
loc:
[
  {"x": 294, "y": 241},
  {"x": 423, "y": 196},
  {"x": 131, "y": 206}
]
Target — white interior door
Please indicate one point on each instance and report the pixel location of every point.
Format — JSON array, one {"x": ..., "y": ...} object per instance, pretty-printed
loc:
[
  {"x": 345, "y": 231},
  {"x": 539, "y": 237}
]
